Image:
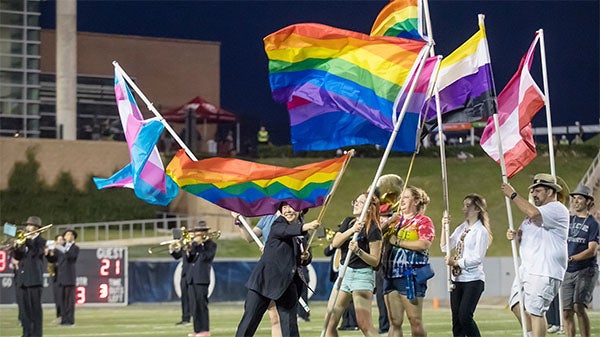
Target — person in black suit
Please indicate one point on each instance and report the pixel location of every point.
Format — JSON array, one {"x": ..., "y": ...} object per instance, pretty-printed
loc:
[
  {"x": 31, "y": 269},
  {"x": 200, "y": 256},
  {"x": 65, "y": 258},
  {"x": 177, "y": 252},
  {"x": 53, "y": 273},
  {"x": 276, "y": 276}
]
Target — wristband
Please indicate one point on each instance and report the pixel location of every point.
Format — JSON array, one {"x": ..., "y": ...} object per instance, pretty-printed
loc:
[{"x": 513, "y": 196}]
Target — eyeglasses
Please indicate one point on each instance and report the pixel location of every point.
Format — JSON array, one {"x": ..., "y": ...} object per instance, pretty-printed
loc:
[{"x": 357, "y": 202}]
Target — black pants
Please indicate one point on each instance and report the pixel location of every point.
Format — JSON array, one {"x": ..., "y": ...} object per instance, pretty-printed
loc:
[
  {"x": 67, "y": 306},
  {"x": 256, "y": 305},
  {"x": 463, "y": 301},
  {"x": 57, "y": 297},
  {"x": 200, "y": 307},
  {"x": 185, "y": 300},
  {"x": 384, "y": 322},
  {"x": 32, "y": 311}
]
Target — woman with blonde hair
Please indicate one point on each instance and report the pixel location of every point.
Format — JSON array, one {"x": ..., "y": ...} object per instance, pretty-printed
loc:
[
  {"x": 470, "y": 241},
  {"x": 359, "y": 280},
  {"x": 406, "y": 262}
]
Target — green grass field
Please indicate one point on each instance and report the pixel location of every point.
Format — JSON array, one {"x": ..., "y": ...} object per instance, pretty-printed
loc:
[{"x": 158, "y": 320}]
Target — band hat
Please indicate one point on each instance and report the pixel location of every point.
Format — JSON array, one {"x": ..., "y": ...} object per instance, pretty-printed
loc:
[
  {"x": 544, "y": 179},
  {"x": 34, "y": 221},
  {"x": 201, "y": 226},
  {"x": 583, "y": 191}
]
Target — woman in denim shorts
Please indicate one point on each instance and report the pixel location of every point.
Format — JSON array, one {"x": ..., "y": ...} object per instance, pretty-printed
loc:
[{"x": 359, "y": 279}]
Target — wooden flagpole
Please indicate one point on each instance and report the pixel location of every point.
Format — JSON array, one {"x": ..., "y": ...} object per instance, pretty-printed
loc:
[
  {"x": 150, "y": 106},
  {"x": 338, "y": 283},
  {"x": 336, "y": 183}
]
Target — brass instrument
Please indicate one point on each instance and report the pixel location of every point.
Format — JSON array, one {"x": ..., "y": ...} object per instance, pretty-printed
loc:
[
  {"x": 22, "y": 236},
  {"x": 183, "y": 239},
  {"x": 328, "y": 238}
]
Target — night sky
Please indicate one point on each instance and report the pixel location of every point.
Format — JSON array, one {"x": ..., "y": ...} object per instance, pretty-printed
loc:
[{"x": 571, "y": 31}]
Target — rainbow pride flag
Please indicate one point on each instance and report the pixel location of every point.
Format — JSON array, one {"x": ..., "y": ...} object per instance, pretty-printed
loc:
[
  {"x": 339, "y": 86},
  {"x": 254, "y": 189},
  {"x": 401, "y": 18}
]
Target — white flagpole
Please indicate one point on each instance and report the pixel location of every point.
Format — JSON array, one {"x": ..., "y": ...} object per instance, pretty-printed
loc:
[
  {"x": 550, "y": 140},
  {"x": 446, "y": 232},
  {"x": 513, "y": 243},
  {"x": 154, "y": 111},
  {"x": 338, "y": 283}
]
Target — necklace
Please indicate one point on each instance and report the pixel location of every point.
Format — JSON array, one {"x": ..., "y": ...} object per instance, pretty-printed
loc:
[{"x": 573, "y": 228}]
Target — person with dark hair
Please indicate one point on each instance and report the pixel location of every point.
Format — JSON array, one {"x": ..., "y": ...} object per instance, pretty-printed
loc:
[
  {"x": 582, "y": 268},
  {"x": 31, "y": 269},
  {"x": 53, "y": 273},
  {"x": 359, "y": 281},
  {"x": 542, "y": 240},
  {"x": 470, "y": 240},
  {"x": 406, "y": 253},
  {"x": 200, "y": 256},
  {"x": 276, "y": 276},
  {"x": 65, "y": 258},
  {"x": 177, "y": 252}
]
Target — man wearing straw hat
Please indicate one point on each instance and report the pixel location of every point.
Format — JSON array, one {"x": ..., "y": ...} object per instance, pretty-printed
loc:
[
  {"x": 30, "y": 255},
  {"x": 582, "y": 270},
  {"x": 542, "y": 239}
]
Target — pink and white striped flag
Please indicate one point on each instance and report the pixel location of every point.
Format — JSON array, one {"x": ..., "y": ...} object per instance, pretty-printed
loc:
[{"x": 518, "y": 103}]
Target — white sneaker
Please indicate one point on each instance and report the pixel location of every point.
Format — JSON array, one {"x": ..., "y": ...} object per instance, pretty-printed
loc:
[{"x": 553, "y": 329}]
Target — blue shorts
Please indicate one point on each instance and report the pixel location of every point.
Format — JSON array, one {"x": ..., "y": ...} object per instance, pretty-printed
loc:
[
  {"x": 358, "y": 279},
  {"x": 399, "y": 285}
]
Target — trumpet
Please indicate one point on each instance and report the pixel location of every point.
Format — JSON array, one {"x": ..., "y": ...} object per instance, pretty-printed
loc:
[{"x": 183, "y": 241}]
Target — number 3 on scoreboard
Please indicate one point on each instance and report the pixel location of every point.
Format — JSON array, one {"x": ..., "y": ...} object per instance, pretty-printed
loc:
[
  {"x": 80, "y": 296},
  {"x": 103, "y": 291}
]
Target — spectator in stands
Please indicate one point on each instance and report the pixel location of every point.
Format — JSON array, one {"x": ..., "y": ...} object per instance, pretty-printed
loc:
[
  {"x": 582, "y": 269},
  {"x": 563, "y": 141}
]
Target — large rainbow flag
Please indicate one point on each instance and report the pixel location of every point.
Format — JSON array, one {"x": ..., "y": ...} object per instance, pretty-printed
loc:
[
  {"x": 401, "y": 18},
  {"x": 339, "y": 86},
  {"x": 254, "y": 189}
]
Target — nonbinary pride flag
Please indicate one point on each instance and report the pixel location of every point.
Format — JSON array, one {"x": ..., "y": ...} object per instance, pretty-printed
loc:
[
  {"x": 145, "y": 173},
  {"x": 254, "y": 189},
  {"x": 518, "y": 103}
]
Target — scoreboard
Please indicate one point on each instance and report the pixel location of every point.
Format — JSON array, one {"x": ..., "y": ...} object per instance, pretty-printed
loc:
[{"x": 101, "y": 278}]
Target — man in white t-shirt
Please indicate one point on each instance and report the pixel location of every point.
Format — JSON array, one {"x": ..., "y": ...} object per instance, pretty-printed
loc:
[{"x": 542, "y": 239}]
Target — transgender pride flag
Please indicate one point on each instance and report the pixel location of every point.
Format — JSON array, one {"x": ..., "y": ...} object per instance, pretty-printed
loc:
[{"x": 145, "y": 174}]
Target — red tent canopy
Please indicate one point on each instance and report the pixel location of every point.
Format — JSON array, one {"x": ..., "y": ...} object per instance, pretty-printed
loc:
[{"x": 205, "y": 112}]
